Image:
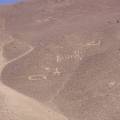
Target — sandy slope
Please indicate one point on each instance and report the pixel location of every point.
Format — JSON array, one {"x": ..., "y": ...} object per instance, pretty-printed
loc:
[{"x": 15, "y": 106}]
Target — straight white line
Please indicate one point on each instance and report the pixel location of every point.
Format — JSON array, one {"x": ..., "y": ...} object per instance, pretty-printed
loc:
[{"x": 27, "y": 52}]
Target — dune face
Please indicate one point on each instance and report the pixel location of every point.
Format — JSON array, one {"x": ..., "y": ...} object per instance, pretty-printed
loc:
[
  {"x": 16, "y": 106},
  {"x": 60, "y": 60}
]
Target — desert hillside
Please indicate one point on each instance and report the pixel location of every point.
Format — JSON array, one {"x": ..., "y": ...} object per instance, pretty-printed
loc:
[{"x": 62, "y": 54}]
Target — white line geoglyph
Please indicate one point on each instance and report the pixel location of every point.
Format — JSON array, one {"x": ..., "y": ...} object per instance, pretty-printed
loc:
[{"x": 35, "y": 77}]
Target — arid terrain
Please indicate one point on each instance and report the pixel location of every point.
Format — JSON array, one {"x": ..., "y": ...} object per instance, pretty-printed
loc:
[{"x": 60, "y": 60}]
